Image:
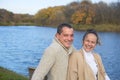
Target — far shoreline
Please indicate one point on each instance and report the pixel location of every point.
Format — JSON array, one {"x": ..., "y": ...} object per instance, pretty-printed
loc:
[{"x": 99, "y": 28}]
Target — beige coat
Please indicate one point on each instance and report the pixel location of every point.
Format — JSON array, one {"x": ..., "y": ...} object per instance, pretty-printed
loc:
[
  {"x": 80, "y": 70},
  {"x": 54, "y": 62}
]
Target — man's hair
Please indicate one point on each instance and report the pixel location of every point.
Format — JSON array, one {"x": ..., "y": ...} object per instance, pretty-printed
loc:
[{"x": 61, "y": 26}]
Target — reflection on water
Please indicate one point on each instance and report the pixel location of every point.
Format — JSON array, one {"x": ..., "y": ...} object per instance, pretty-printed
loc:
[{"x": 21, "y": 47}]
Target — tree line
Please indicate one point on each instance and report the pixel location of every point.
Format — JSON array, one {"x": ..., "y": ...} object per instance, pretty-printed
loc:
[
  {"x": 9, "y": 18},
  {"x": 84, "y": 12}
]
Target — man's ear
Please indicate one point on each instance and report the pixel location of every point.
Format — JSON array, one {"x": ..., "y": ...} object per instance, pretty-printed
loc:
[
  {"x": 57, "y": 35},
  {"x": 82, "y": 42}
]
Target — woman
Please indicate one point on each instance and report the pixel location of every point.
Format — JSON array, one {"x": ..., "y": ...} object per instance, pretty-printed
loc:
[{"x": 86, "y": 64}]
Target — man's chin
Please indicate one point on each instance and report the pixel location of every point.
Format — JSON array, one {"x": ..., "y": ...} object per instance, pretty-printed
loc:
[{"x": 68, "y": 46}]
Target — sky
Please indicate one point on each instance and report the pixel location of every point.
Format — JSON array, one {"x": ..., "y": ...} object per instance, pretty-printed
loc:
[{"x": 33, "y": 6}]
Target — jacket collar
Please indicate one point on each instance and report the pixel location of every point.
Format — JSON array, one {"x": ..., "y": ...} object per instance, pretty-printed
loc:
[{"x": 68, "y": 50}]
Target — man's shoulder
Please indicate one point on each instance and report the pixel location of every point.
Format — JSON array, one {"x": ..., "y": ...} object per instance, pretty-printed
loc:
[{"x": 52, "y": 48}]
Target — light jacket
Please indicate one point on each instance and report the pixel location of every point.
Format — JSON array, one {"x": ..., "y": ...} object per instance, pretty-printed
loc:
[
  {"x": 80, "y": 70},
  {"x": 54, "y": 62}
]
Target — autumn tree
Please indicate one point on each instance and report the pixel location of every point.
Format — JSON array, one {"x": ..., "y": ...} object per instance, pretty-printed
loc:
[
  {"x": 6, "y": 17},
  {"x": 115, "y": 12},
  {"x": 23, "y": 19},
  {"x": 103, "y": 13},
  {"x": 41, "y": 17},
  {"x": 84, "y": 14},
  {"x": 57, "y": 15},
  {"x": 69, "y": 10},
  {"x": 50, "y": 16}
]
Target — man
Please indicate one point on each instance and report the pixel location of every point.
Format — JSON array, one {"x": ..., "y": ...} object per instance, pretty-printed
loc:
[{"x": 54, "y": 62}]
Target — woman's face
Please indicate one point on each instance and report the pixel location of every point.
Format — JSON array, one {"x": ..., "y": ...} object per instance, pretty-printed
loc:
[{"x": 89, "y": 42}]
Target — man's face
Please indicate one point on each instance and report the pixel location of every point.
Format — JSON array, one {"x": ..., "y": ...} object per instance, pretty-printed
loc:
[{"x": 66, "y": 37}]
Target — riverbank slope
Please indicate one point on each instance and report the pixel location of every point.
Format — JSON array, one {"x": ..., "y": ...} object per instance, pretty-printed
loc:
[{"x": 6, "y": 74}]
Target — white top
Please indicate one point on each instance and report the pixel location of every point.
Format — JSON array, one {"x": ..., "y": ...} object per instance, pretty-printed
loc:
[{"x": 91, "y": 62}]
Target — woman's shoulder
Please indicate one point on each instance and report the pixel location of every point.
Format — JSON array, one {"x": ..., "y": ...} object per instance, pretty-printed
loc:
[
  {"x": 97, "y": 56},
  {"x": 77, "y": 53}
]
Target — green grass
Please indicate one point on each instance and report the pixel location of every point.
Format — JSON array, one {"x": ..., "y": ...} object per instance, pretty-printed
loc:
[
  {"x": 6, "y": 74},
  {"x": 101, "y": 27},
  {"x": 80, "y": 27}
]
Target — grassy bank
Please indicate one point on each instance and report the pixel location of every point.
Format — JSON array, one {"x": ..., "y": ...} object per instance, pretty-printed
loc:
[
  {"x": 80, "y": 27},
  {"x": 6, "y": 74},
  {"x": 101, "y": 27}
]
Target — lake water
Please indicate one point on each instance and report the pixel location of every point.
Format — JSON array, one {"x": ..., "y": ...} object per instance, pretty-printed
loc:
[{"x": 22, "y": 47}]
